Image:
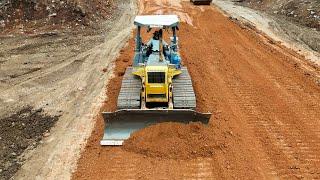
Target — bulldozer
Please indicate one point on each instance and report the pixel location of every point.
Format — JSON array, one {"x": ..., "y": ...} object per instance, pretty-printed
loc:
[
  {"x": 201, "y": 2},
  {"x": 156, "y": 88}
]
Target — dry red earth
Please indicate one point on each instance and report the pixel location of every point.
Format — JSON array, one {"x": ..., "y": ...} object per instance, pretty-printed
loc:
[{"x": 264, "y": 99}]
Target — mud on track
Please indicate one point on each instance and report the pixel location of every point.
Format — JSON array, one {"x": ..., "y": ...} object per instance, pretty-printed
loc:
[{"x": 264, "y": 99}]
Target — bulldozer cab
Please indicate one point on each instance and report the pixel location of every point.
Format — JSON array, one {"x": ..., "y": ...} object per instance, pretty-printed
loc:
[{"x": 156, "y": 48}]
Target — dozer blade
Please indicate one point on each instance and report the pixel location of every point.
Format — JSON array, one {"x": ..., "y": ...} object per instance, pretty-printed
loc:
[{"x": 120, "y": 124}]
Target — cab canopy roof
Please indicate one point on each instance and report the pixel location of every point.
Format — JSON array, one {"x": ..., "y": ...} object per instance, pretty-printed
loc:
[{"x": 157, "y": 21}]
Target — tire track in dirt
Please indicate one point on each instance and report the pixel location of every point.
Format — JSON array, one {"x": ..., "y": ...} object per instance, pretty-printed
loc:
[
  {"x": 127, "y": 169},
  {"x": 285, "y": 140},
  {"x": 199, "y": 169},
  {"x": 264, "y": 100},
  {"x": 278, "y": 105}
]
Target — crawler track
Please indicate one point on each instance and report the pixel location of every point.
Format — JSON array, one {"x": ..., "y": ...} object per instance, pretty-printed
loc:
[
  {"x": 129, "y": 96},
  {"x": 183, "y": 93}
]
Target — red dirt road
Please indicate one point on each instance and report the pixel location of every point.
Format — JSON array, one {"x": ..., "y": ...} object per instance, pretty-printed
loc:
[{"x": 265, "y": 102}]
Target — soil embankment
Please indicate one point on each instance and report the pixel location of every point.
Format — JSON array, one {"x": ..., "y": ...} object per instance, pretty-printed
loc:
[
  {"x": 32, "y": 17},
  {"x": 64, "y": 73},
  {"x": 306, "y": 13}
]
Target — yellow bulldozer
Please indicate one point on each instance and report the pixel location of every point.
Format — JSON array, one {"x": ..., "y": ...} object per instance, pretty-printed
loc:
[{"x": 156, "y": 88}]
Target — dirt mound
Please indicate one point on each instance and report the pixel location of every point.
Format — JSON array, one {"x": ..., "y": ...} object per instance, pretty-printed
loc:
[
  {"x": 28, "y": 16},
  {"x": 18, "y": 132},
  {"x": 174, "y": 141}
]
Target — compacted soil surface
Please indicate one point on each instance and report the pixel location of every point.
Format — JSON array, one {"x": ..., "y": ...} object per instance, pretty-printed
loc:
[
  {"x": 61, "y": 70},
  {"x": 264, "y": 99}
]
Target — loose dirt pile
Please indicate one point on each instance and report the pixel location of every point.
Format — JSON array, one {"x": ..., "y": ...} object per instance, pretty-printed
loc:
[
  {"x": 173, "y": 140},
  {"x": 18, "y": 132},
  {"x": 32, "y": 16}
]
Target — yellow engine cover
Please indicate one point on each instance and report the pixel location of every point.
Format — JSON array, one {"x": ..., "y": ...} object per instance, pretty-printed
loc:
[
  {"x": 156, "y": 84},
  {"x": 157, "y": 81}
]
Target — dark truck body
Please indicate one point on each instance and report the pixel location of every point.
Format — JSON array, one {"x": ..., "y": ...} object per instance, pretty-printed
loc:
[{"x": 201, "y": 2}]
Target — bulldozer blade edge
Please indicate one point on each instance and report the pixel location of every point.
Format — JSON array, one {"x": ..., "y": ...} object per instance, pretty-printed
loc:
[{"x": 120, "y": 124}]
